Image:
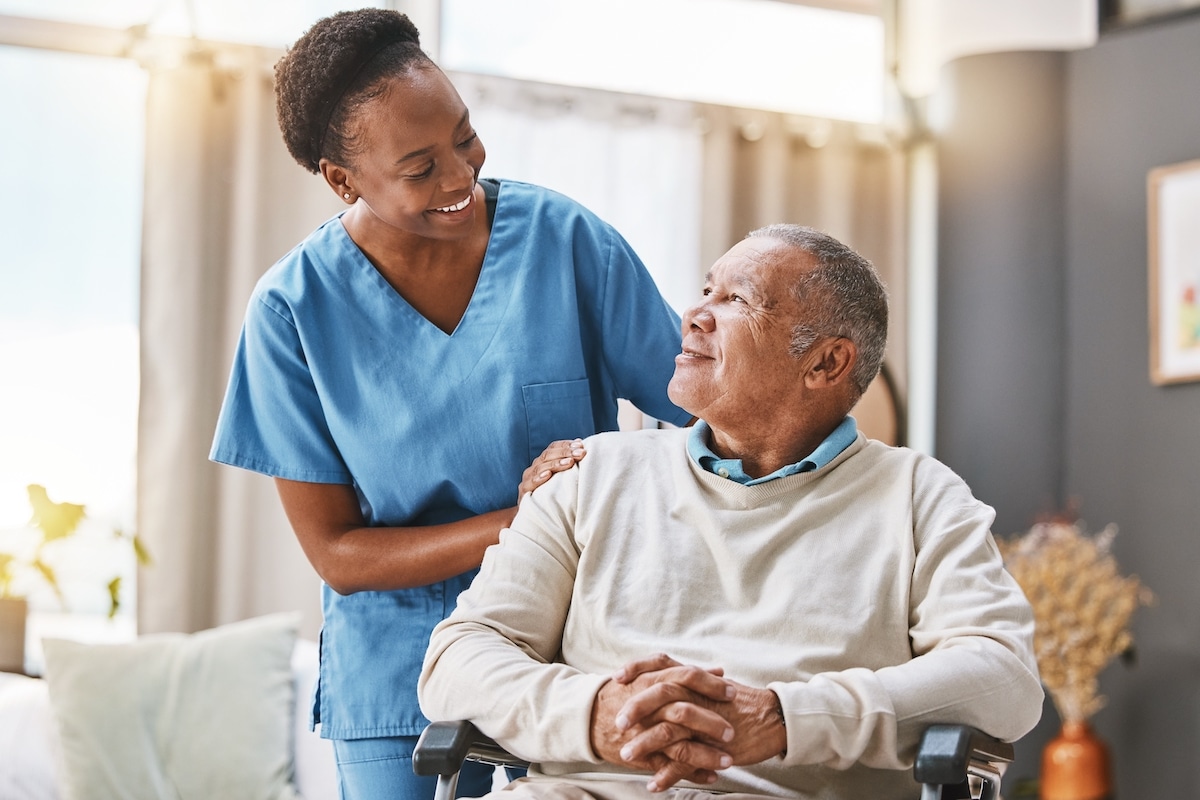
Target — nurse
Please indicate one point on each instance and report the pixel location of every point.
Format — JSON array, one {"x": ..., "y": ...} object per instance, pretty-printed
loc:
[{"x": 418, "y": 363}]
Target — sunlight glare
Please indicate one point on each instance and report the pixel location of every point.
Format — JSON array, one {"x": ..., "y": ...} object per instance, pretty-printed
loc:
[{"x": 746, "y": 53}]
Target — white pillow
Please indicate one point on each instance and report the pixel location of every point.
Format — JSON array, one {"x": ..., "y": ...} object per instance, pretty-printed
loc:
[
  {"x": 28, "y": 744},
  {"x": 199, "y": 716},
  {"x": 316, "y": 766}
]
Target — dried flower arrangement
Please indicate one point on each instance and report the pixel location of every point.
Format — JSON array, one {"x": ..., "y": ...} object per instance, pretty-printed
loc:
[{"x": 1082, "y": 607}]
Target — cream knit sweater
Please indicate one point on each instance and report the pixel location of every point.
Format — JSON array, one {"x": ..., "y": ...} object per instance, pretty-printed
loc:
[{"x": 869, "y": 595}]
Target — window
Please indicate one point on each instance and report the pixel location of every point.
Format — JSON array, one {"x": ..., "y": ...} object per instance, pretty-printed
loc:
[
  {"x": 271, "y": 23},
  {"x": 74, "y": 141},
  {"x": 68, "y": 321},
  {"x": 749, "y": 53}
]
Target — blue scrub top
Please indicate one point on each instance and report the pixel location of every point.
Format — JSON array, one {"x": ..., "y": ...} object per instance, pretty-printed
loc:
[{"x": 337, "y": 379}]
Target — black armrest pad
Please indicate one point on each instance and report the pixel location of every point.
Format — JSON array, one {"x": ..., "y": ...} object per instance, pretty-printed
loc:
[
  {"x": 443, "y": 747},
  {"x": 945, "y": 751}
]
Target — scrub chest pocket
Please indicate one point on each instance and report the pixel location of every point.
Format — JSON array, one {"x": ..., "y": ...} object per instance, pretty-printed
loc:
[{"x": 560, "y": 410}]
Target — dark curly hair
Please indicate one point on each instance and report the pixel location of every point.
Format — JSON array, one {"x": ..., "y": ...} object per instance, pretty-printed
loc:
[{"x": 339, "y": 64}]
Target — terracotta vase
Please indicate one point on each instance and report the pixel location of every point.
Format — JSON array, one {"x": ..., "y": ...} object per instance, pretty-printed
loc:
[{"x": 1075, "y": 766}]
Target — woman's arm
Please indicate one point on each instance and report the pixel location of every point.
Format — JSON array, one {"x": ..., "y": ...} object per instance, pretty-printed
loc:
[{"x": 351, "y": 556}]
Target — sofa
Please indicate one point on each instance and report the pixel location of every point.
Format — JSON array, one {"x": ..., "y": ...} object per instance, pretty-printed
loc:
[{"x": 221, "y": 713}]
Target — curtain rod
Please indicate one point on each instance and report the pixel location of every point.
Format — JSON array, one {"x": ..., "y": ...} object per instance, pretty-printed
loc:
[{"x": 134, "y": 42}]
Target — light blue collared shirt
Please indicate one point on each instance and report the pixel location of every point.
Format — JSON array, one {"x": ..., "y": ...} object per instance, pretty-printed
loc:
[{"x": 841, "y": 438}]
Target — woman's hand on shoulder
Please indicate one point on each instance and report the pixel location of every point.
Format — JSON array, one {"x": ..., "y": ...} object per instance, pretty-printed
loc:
[{"x": 558, "y": 456}]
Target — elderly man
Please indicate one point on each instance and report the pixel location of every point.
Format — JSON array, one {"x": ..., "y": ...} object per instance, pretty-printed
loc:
[{"x": 766, "y": 603}]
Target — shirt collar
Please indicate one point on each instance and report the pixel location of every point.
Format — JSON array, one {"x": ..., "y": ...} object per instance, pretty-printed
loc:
[{"x": 698, "y": 448}]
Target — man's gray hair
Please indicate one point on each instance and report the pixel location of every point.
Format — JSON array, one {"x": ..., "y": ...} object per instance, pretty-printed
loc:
[{"x": 842, "y": 295}]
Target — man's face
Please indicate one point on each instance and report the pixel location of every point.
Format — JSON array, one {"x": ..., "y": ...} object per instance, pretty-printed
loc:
[{"x": 735, "y": 365}]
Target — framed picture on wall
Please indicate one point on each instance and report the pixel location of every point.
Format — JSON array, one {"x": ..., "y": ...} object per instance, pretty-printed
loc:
[
  {"x": 1174, "y": 235},
  {"x": 1125, "y": 13}
]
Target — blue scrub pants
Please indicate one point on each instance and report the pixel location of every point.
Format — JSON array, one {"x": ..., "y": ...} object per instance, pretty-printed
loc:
[{"x": 381, "y": 769}]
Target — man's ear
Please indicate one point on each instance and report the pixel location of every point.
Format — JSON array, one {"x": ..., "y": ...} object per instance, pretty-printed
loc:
[
  {"x": 338, "y": 179},
  {"x": 832, "y": 360}
]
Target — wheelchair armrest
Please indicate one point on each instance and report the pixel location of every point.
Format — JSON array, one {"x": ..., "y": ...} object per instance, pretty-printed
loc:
[
  {"x": 444, "y": 746},
  {"x": 946, "y": 752}
]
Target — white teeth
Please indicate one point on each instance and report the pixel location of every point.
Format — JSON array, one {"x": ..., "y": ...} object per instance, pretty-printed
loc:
[{"x": 457, "y": 206}]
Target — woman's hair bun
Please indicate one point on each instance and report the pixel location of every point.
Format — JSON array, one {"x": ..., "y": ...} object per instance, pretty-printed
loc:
[{"x": 317, "y": 70}]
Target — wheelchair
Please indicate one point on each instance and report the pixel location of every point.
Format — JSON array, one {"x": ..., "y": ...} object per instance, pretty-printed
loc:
[{"x": 953, "y": 761}]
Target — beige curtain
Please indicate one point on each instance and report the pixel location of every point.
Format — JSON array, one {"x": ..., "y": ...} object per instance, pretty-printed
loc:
[
  {"x": 635, "y": 161},
  {"x": 223, "y": 200}
]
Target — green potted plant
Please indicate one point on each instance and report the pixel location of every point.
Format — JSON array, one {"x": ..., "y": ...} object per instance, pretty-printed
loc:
[{"x": 55, "y": 524}]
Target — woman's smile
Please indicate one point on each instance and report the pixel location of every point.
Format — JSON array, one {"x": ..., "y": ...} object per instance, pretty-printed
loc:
[{"x": 459, "y": 206}]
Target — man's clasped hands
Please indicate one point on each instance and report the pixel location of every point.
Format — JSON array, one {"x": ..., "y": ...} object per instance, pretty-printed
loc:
[{"x": 684, "y": 722}]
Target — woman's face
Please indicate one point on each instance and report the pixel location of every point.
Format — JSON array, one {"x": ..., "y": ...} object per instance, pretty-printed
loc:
[{"x": 418, "y": 157}]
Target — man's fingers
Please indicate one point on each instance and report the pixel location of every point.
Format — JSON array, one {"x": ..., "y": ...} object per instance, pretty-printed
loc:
[
  {"x": 661, "y": 668},
  {"x": 669, "y": 772},
  {"x": 660, "y": 661},
  {"x": 654, "y": 663},
  {"x": 699, "y": 755},
  {"x": 700, "y": 723},
  {"x": 704, "y": 723},
  {"x": 680, "y": 743},
  {"x": 678, "y": 762},
  {"x": 690, "y": 685}
]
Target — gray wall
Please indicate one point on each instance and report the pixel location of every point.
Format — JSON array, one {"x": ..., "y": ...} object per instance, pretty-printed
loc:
[
  {"x": 1000, "y": 281},
  {"x": 1133, "y": 449},
  {"x": 1043, "y": 382}
]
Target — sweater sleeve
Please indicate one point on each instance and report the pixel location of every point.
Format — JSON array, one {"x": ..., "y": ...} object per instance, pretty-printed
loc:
[
  {"x": 493, "y": 661},
  {"x": 971, "y": 632}
]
